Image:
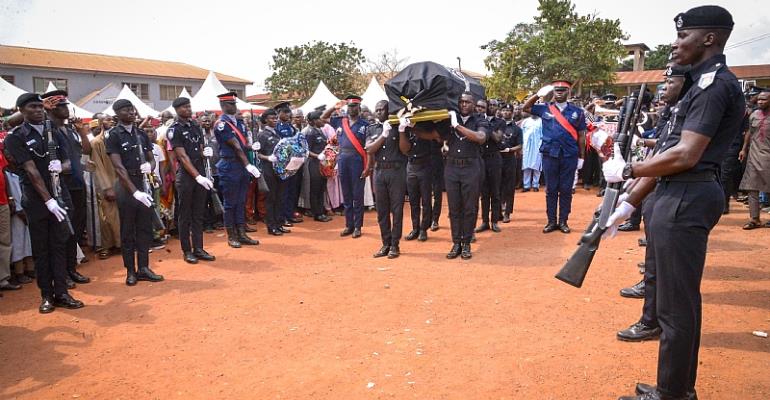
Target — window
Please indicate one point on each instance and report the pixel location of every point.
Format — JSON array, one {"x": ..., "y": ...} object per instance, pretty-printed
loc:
[
  {"x": 170, "y": 92},
  {"x": 9, "y": 78},
  {"x": 40, "y": 85},
  {"x": 141, "y": 90},
  {"x": 239, "y": 92}
]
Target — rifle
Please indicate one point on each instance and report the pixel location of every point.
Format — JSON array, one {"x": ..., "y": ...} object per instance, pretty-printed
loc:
[
  {"x": 53, "y": 149},
  {"x": 216, "y": 204},
  {"x": 149, "y": 183},
  {"x": 575, "y": 269}
]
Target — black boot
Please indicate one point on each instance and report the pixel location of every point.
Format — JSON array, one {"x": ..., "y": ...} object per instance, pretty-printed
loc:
[
  {"x": 245, "y": 239},
  {"x": 454, "y": 252},
  {"x": 232, "y": 238},
  {"x": 203, "y": 255},
  {"x": 639, "y": 332},
  {"x": 466, "y": 251},
  {"x": 146, "y": 274},
  {"x": 634, "y": 292},
  {"x": 130, "y": 276},
  {"x": 394, "y": 251},
  {"x": 77, "y": 277}
]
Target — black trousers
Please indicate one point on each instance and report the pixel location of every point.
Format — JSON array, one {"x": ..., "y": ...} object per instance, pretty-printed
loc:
[
  {"x": 419, "y": 184},
  {"x": 135, "y": 227},
  {"x": 317, "y": 188},
  {"x": 592, "y": 169},
  {"x": 211, "y": 217},
  {"x": 649, "y": 311},
  {"x": 462, "y": 179},
  {"x": 730, "y": 175},
  {"x": 192, "y": 209},
  {"x": 636, "y": 216},
  {"x": 49, "y": 239},
  {"x": 490, "y": 188},
  {"x": 273, "y": 207},
  {"x": 390, "y": 188},
  {"x": 508, "y": 184},
  {"x": 683, "y": 216},
  {"x": 437, "y": 184}
]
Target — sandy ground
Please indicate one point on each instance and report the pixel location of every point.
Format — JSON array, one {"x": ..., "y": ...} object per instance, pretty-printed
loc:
[{"x": 313, "y": 315}]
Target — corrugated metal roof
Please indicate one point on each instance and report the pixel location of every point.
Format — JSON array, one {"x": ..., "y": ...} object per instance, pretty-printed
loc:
[{"x": 761, "y": 71}]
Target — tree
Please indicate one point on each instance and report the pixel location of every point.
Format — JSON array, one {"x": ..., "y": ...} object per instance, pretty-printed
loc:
[
  {"x": 658, "y": 58},
  {"x": 559, "y": 44},
  {"x": 298, "y": 69},
  {"x": 386, "y": 65}
]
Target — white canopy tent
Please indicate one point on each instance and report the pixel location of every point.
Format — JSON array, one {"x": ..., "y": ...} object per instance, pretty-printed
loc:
[
  {"x": 8, "y": 94},
  {"x": 206, "y": 98},
  {"x": 141, "y": 108},
  {"x": 184, "y": 94},
  {"x": 373, "y": 93},
  {"x": 321, "y": 96},
  {"x": 75, "y": 111}
]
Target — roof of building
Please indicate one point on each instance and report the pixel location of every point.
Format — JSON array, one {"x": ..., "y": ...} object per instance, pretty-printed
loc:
[
  {"x": 656, "y": 75},
  {"x": 67, "y": 60}
]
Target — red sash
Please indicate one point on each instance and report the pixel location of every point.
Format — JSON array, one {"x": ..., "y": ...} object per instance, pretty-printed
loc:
[
  {"x": 237, "y": 132},
  {"x": 354, "y": 141},
  {"x": 563, "y": 121}
]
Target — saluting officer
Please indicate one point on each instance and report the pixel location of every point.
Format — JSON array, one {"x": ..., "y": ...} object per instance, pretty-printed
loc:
[
  {"x": 563, "y": 148},
  {"x": 26, "y": 147},
  {"x": 688, "y": 197},
  {"x": 234, "y": 169},
  {"x": 191, "y": 184},
  {"x": 123, "y": 143},
  {"x": 316, "y": 141},
  {"x": 492, "y": 170},
  {"x": 387, "y": 154},
  {"x": 510, "y": 147}
]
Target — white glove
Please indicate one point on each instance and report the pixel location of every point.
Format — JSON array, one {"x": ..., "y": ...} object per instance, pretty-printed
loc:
[
  {"x": 640, "y": 129},
  {"x": 254, "y": 171},
  {"x": 256, "y": 146},
  {"x": 505, "y": 150},
  {"x": 55, "y": 209},
  {"x": 386, "y": 128},
  {"x": 145, "y": 168},
  {"x": 321, "y": 157},
  {"x": 622, "y": 212},
  {"x": 272, "y": 158},
  {"x": 143, "y": 198},
  {"x": 205, "y": 182},
  {"x": 613, "y": 168},
  {"x": 453, "y": 119},
  {"x": 580, "y": 163},
  {"x": 54, "y": 166},
  {"x": 404, "y": 123},
  {"x": 208, "y": 152},
  {"x": 623, "y": 197},
  {"x": 545, "y": 90}
]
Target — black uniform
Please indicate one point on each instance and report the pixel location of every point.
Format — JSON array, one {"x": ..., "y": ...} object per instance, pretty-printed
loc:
[
  {"x": 49, "y": 237},
  {"x": 75, "y": 184},
  {"x": 191, "y": 195},
  {"x": 419, "y": 183},
  {"x": 493, "y": 165},
  {"x": 437, "y": 162},
  {"x": 135, "y": 217},
  {"x": 687, "y": 206},
  {"x": 462, "y": 176},
  {"x": 274, "y": 219},
  {"x": 389, "y": 184},
  {"x": 316, "y": 141},
  {"x": 511, "y": 138}
]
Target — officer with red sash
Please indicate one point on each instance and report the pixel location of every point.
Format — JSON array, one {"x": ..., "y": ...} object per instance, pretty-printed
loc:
[
  {"x": 351, "y": 135},
  {"x": 563, "y": 147}
]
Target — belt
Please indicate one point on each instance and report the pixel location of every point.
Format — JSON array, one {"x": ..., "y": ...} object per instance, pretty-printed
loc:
[
  {"x": 388, "y": 164},
  {"x": 418, "y": 160},
  {"x": 490, "y": 155},
  {"x": 134, "y": 172},
  {"x": 702, "y": 176},
  {"x": 460, "y": 161}
]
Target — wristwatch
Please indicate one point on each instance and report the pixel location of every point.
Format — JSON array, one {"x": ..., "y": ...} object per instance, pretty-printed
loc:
[{"x": 628, "y": 172}]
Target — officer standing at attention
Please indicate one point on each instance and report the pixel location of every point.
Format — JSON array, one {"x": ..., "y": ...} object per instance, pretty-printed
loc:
[
  {"x": 387, "y": 153},
  {"x": 191, "y": 184},
  {"x": 437, "y": 180},
  {"x": 290, "y": 198},
  {"x": 419, "y": 182},
  {"x": 267, "y": 139},
  {"x": 688, "y": 197},
  {"x": 26, "y": 147},
  {"x": 316, "y": 142},
  {"x": 234, "y": 169},
  {"x": 510, "y": 147},
  {"x": 351, "y": 135},
  {"x": 123, "y": 143},
  {"x": 563, "y": 148},
  {"x": 492, "y": 172}
]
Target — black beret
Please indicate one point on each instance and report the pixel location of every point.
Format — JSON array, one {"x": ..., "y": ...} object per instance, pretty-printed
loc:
[
  {"x": 121, "y": 103},
  {"x": 704, "y": 17},
  {"x": 610, "y": 97},
  {"x": 506, "y": 106},
  {"x": 25, "y": 98},
  {"x": 314, "y": 115},
  {"x": 676, "y": 70},
  {"x": 266, "y": 114},
  {"x": 54, "y": 93},
  {"x": 321, "y": 108},
  {"x": 180, "y": 101},
  {"x": 284, "y": 105},
  {"x": 755, "y": 90}
]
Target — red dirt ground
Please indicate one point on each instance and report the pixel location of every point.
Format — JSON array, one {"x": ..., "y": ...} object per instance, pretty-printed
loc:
[{"x": 312, "y": 315}]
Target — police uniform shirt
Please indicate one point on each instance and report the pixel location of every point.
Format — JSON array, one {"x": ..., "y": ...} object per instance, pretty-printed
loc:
[
  {"x": 316, "y": 140},
  {"x": 420, "y": 147},
  {"x": 224, "y": 132},
  {"x": 120, "y": 140},
  {"x": 389, "y": 151},
  {"x": 511, "y": 137},
  {"x": 556, "y": 140},
  {"x": 713, "y": 106},
  {"x": 490, "y": 147},
  {"x": 75, "y": 151},
  {"x": 267, "y": 139},
  {"x": 462, "y": 147},
  {"x": 285, "y": 129},
  {"x": 189, "y": 136},
  {"x": 358, "y": 129}
]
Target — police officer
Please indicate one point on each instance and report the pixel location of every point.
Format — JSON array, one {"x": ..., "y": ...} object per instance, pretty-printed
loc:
[
  {"x": 563, "y": 147},
  {"x": 510, "y": 146},
  {"x": 351, "y": 134},
  {"x": 419, "y": 182},
  {"x": 387, "y": 154},
  {"x": 316, "y": 141},
  {"x": 191, "y": 184},
  {"x": 689, "y": 200},
  {"x": 124, "y": 142},
  {"x": 285, "y": 129},
  {"x": 267, "y": 139},
  {"x": 26, "y": 147},
  {"x": 437, "y": 161},
  {"x": 493, "y": 165},
  {"x": 234, "y": 169}
]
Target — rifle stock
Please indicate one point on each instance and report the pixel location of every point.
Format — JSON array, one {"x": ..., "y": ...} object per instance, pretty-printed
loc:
[
  {"x": 216, "y": 203},
  {"x": 147, "y": 181},
  {"x": 53, "y": 150}
]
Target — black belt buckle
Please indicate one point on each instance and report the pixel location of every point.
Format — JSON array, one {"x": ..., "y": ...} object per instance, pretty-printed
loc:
[
  {"x": 388, "y": 165},
  {"x": 460, "y": 162},
  {"x": 418, "y": 160}
]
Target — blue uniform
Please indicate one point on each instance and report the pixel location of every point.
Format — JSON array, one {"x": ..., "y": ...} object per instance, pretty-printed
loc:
[
  {"x": 560, "y": 155},
  {"x": 233, "y": 177},
  {"x": 351, "y": 165},
  {"x": 290, "y": 196}
]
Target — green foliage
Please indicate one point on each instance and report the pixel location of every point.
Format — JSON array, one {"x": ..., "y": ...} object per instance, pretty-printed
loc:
[
  {"x": 559, "y": 44},
  {"x": 298, "y": 69},
  {"x": 658, "y": 58}
]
